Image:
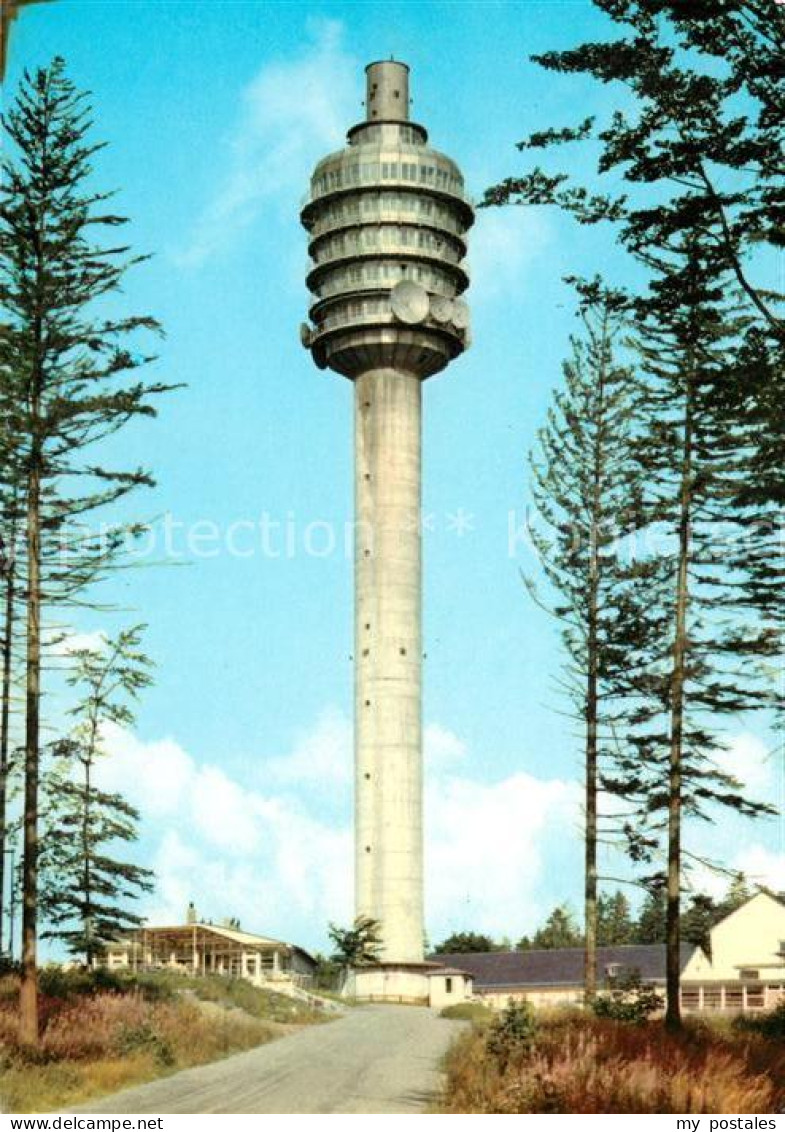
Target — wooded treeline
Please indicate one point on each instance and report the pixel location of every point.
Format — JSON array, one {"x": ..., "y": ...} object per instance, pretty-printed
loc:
[
  {"x": 616, "y": 925},
  {"x": 657, "y": 477}
]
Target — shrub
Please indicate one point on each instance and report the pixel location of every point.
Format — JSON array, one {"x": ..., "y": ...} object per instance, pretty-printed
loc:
[
  {"x": 144, "y": 1038},
  {"x": 474, "y": 1012},
  {"x": 512, "y": 1034},
  {"x": 68, "y": 983},
  {"x": 769, "y": 1025},
  {"x": 629, "y": 1000},
  {"x": 583, "y": 1064}
]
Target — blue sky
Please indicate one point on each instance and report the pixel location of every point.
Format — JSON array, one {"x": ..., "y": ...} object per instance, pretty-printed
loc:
[{"x": 215, "y": 113}]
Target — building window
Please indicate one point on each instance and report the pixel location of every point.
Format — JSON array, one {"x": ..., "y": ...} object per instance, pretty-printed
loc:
[
  {"x": 712, "y": 998},
  {"x": 448, "y": 985},
  {"x": 734, "y": 998},
  {"x": 749, "y": 973}
]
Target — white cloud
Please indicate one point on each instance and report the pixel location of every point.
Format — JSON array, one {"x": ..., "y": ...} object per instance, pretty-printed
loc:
[
  {"x": 762, "y": 866},
  {"x": 490, "y": 851},
  {"x": 63, "y": 643},
  {"x": 503, "y": 243},
  {"x": 320, "y": 755},
  {"x": 276, "y": 850},
  {"x": 442, "y": 748},
  {"x": 750, "y": 760},
  {"x": 152, "y": 775},
  {"x": 235, "y": 851},
  {"x": 225, "y": 815},
  {"x": 291, "y": 112},
  {"x": 280, "y": 858}
]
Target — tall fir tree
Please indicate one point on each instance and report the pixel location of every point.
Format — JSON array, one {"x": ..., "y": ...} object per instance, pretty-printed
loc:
[
  {"x": 683, "y": 122},
  {"x": 69, "y": 362},
  {"x": 586, "y": 494},
  {"x": 10, "y": 523},
  {"x": 86, "y": 889},
  {"x": 707, "y": 671}
]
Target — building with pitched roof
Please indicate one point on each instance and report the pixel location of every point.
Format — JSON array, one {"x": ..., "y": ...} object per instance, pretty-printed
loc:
[{"x": 741, "y": 967}]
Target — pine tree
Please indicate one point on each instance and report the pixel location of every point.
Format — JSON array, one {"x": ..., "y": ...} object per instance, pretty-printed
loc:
[
  {"x": 691, "y": 240},
  {"x": 69, "y": 368},
  {"x": 586, "y": 494},
  {"x": 693, "y": 461},
  {"x": 559, "y": 930},
  {"x": 615, "y": 925},
  {"x": 650, "y": 927},
  {"x": 738, "y": 893},
  {"x": 10, "y": 522},
  {"x": 85, "y": 888},
  {"x": 745, "y": 40}
]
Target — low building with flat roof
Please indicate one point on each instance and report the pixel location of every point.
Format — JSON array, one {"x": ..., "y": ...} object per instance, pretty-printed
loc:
[{"x": 197, "y": 948}]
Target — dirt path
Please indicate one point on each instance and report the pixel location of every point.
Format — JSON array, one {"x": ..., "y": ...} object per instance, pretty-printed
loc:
[{"x": 374, "y": 1059}]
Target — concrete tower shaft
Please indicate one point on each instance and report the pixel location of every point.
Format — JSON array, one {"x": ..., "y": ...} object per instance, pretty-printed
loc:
[
  {"x": 387, "y": 218},
  {"x": 388, "y": 659}
]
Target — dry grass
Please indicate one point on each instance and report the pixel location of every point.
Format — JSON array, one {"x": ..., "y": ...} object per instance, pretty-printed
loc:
[
  {"x": 580, "y": 1064},
  {"x": 96, "y": 1043}
]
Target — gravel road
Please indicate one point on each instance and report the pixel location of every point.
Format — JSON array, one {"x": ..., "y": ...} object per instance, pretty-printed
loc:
[{"x": 373, "y": 1059}]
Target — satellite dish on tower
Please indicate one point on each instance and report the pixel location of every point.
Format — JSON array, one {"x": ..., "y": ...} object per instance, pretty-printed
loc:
[
  {"x": 460, "y": 314},
  {"x": 441, "y": 308},
  {"x": 305, "y": 334},
  {"x": 409, "y": 302}
]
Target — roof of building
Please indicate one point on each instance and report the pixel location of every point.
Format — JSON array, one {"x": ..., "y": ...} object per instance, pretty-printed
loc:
[
  {"x": 247, "y": 939},
  {"x": 777, "y": 898},
  {"x": 562, "y": 967},
  {"x": 459, "y": 971}
]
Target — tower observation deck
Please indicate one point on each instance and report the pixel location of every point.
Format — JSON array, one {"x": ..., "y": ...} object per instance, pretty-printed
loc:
[{"x": 387, "y": 218}]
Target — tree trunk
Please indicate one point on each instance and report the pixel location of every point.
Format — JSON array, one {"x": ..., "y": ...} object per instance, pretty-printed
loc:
[
  {"x": 673, "y": 886},
  {"x": 87, "y": 880},
  {"x": 28, "y": 999},
  {"x": 5, "y": 718},
  {"x": 590, "y": 956},
  {"x": 592, "y": 698}
]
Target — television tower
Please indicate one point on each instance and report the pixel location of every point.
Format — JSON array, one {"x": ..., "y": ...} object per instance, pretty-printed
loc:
[{"x": 387, "y": 218}]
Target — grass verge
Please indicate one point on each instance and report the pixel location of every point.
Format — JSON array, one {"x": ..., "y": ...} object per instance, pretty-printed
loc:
[
  {"x": 574, "y": 1063},
  {"x": 103, "y": 1033}
]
